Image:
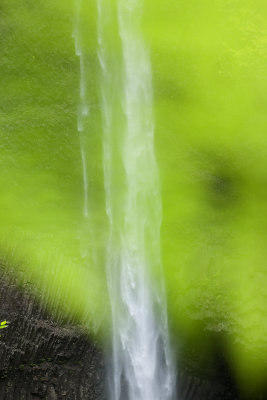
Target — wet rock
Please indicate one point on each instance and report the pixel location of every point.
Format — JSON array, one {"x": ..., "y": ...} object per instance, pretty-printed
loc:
[{"x": 41, "y": 359}]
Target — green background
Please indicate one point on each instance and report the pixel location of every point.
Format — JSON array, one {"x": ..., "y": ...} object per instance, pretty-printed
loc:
[{"x": 209, "y": 66}]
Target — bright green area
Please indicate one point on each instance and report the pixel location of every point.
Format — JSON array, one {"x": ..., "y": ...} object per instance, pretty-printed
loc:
[
  {"x": 43, "y": 234},
  {"x": 209, "y": 63},
  {"x": 3, "y": 324}
]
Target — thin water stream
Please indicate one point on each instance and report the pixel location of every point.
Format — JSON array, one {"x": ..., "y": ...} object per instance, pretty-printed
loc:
[{"x": 83, "y": 106}]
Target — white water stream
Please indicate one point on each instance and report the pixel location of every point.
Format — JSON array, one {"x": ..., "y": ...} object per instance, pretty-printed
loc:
[{"x": 141, "y": 367}]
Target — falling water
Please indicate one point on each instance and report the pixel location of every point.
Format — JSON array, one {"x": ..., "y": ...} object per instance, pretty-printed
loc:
[
  {"x": 141, "y": 367},
  {"x": 83, "y": 109}
]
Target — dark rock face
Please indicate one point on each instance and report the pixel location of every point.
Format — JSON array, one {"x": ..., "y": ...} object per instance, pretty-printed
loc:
[
  {"x": 195, "y": 388},
  {"x": 40, "y": 359},
  {"x": 203, "y": 375}
]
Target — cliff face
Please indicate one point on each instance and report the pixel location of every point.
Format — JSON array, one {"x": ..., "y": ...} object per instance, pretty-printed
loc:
[{"x": 40, "y": 359}]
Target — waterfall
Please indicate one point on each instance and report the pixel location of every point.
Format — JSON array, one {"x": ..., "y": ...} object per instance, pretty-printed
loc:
[
  {"x": 83, "y": 108},
  {"x": 141, "y": 366}
]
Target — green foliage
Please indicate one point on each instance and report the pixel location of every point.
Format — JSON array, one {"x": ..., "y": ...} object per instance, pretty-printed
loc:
[
  {"x": 43, "y": 236},
  {"x": 210, "y": 107},
  {"x": 209, "y": 74},
  {"x": 3, "y": 324}
]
